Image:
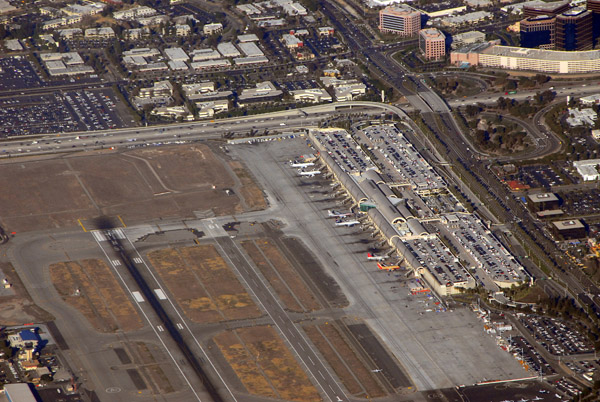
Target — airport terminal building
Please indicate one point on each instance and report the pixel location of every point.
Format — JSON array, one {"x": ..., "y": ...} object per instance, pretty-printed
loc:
[{"x": 387, "y": 194}]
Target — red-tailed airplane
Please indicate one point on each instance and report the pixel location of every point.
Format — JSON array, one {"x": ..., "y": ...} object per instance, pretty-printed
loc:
[
  {"x": 373, "y": 257},
  {"x": 388, "y": 267}
]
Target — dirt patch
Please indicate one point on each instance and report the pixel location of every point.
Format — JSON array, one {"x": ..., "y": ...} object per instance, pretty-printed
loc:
[
  {"x": 40, "y": 194},
  {"x": 203, "y": 284},
  {"x": 288, "y": 285},
  {"x": 356, "y": 377},
  {"x": 252, "y": 194},
  {"x": 326, "y": 285},
  {"x": 18, "y": 308},
  {"x": 158, "y": 379},
  {"x": 90, "y": 287},
  {"x": 265, "y": 365},
  {"x": 158, "y": 182}
]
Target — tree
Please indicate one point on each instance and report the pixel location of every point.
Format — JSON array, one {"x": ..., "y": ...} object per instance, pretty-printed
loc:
[
  {"x": 472, "y": 110},
  {"x": 511, "y": 85}
]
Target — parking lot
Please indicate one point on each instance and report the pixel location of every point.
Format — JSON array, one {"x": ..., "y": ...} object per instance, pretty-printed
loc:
[
  {"x": 403, "y": 162},
  {"x": 60, "y": 112},
  {"x": 529, "y": 358},
  {"x": 585, "y": 368},
  {"x": 443, "y": 203},
  {"x": 342, "y": 149},
  {"x": 540, "y": 176},
  {"x": 567, "y": 387},
  {"x": 480, "y": 247},
  {"x": 95, "y": 110},
  {"x": 17, "y": 73},
  {"x": 323, "y": 46},
  {"x": 580, "y": 202},
  {"x": 296, "y": 85},
  {"x": 556, "y": 336}
]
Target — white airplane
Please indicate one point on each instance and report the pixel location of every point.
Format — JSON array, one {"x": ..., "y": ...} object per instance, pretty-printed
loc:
[
  {"x": 301, "y": 164},
  {"x": 373, "y": 257},
  {"x": 309, "y": 173},
  {"x": 523, "y": 400},
  {"x": 338, "y": 399},
  {"x": 377, "y": 371},
  {"x": 349, "y": 223},
  {"x": 537, "y": 398},
  {"x": 332, "y": 213}
]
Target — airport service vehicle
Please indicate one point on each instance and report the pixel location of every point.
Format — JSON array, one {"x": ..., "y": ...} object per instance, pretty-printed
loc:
[
  {"x": 348, "y": 223},
  {"x": 309, "y": 173},
  {"x": 373, "y": 257},
  {"x": 301, "y": 164},
  {"x": 332, "y": 213}
]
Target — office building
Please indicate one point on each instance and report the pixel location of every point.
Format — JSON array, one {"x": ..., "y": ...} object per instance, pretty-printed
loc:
[
  {"x": 19, "y": 392},
  {"x": 542, "y": 202},
  {"x": 400, "y": 19},
  {"x": 594, "y": 7},
  {"x": 570, "y": 229},
  {"x": 432, "y": 43},
  {"x": 574, "y": 30},
  {"x": 538, "y": 32},
  {"x": 544, "y": 8}
]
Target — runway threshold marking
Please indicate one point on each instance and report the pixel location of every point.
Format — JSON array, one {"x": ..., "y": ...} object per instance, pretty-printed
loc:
[
  {"x": 161, "y": 295},
  {"x": 115, "y": 263},
  {"x": 81, "y": 224},
  {"x": 160, "y": 328},
  {"x": 179, "y": 325},
  {"x": 138, "y": 260},
  {"x": 138, "y": 296}
]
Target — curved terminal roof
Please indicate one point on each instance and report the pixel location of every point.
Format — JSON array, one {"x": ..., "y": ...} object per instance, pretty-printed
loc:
[
  {"x": 416, "y": 228},
  {"x": 386, "y": 207}
]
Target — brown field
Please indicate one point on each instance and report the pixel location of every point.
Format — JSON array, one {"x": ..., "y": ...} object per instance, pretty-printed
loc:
[
  {"x": 204, "y": 286},
  {"x": 152, "y": 183},
  {"x": 101, "y": 300},
  {"x": 250, "y": 191},
  {"x": 357, "y": 378},
  {"x": 281, "y": 275},
  {"x": 264, "y": 364}
]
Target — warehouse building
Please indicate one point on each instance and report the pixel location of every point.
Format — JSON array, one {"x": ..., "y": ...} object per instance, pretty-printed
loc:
[{"x": 588, "y": 169}]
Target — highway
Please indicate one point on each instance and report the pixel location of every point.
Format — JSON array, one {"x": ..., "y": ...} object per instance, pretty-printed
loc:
[{"x": 262, "y": 124}]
